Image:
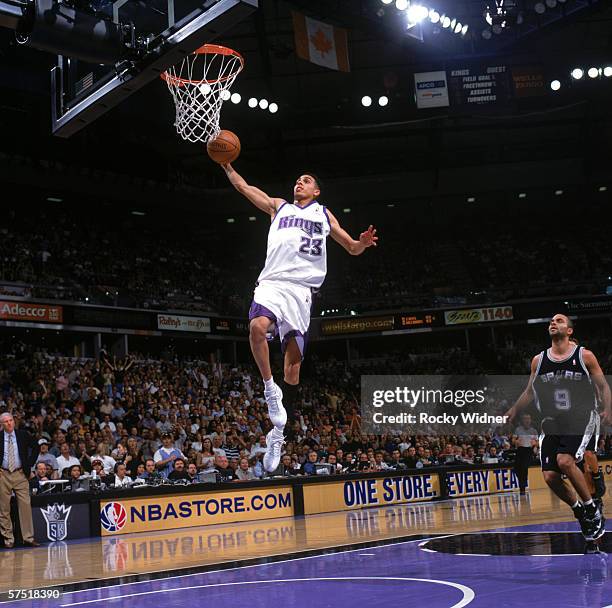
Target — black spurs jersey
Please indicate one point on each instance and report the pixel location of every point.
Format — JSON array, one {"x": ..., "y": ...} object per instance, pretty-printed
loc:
[{"x": 564, "y": 388}]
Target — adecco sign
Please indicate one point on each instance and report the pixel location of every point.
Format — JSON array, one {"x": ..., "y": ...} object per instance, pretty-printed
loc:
[{"x": 20, "y": 311}]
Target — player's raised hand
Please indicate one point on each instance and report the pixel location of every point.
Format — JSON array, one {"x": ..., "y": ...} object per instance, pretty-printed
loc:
[{"x": 368, "y": 238}]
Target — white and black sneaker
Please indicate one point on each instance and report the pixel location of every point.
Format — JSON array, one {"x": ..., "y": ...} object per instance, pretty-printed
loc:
[
  {"x": 594, "y": 523},
  {"x": 274, "y": 445},
  {"x": 276, "y": 409}
]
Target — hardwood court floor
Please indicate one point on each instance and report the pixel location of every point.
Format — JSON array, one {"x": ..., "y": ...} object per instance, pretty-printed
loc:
[{"x": 125, "y": 556}]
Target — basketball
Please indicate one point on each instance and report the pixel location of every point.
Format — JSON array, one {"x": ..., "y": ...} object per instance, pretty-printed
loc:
[{"x": 225, "y": 148}]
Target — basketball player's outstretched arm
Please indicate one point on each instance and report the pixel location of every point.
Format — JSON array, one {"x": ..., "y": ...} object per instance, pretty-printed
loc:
[
  {"x": 527, "y": 395},
  {"x": 341, "y": 236},
  {"x": 601, "y": 385},
  {"x": 259, "y": 198}
]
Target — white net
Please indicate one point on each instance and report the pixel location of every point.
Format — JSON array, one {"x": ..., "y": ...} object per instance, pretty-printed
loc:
[{"x": 199, "y": 85}]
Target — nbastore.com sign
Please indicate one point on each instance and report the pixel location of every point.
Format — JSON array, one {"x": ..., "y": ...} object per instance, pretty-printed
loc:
[
  {"x": 478, "y": 315},
  {"x": 20, "y": 311}
]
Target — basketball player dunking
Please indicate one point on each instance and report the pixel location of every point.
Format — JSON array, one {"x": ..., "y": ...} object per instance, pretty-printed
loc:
[
  {"x": 295, "y": 267},
  {"x": 566, "y": 380}
]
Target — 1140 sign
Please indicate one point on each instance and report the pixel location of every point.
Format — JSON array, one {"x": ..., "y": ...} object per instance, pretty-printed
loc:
[{"x": 478, "y": 315}]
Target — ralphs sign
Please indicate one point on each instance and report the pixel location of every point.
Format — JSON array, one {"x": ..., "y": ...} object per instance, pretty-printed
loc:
[
  {"x": 165, "y": 513},
  {"x": 22, "y": 311},
  {"x": 181, "y": 323}
]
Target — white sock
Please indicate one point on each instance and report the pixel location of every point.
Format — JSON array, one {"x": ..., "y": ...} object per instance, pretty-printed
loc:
[
  {"x": 269, "y": 384},
  {"x": 576, "y": 504},
  {"x": 588, "y": 503}
]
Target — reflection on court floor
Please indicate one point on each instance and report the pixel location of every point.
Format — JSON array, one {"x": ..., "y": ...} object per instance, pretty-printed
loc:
[{"x": 154, "y": 560}]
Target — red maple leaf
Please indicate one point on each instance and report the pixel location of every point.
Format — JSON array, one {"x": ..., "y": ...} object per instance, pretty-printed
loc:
[{"x": 321, "y": 42}]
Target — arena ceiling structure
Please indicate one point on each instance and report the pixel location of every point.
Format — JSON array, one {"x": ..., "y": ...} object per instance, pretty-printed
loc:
[{"x": 547, "y": 140}]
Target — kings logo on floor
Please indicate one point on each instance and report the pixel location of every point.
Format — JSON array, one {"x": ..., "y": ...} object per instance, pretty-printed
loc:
[
  {"x": 113, "y": 516},
  {"x": 56, "y": 517}
]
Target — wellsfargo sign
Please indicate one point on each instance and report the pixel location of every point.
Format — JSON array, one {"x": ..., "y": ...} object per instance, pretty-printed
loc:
[{"x": 21, "y": 311}]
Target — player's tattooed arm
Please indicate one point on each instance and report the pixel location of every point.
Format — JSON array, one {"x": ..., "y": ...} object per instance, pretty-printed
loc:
[
  {"x": 527, "y": 395},
  {"x": 342, "y": 237},
  {"x": 258, "y": 197},
  {"x": 601, "y": 385}
]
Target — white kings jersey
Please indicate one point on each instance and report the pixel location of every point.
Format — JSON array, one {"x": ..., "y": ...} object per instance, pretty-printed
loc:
[{"x": 297, "y": 250}]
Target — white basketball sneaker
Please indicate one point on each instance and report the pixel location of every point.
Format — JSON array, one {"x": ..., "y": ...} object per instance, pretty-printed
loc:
[
  {"x": 274, "y": 445},
  {"x": 276, "y": 410}
]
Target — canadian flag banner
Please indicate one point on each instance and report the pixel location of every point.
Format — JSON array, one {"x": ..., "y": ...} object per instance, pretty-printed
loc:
[{"x": 321, "y": 43}]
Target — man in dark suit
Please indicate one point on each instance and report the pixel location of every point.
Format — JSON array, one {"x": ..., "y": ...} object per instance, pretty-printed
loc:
[{"x": 18, "y": 451}]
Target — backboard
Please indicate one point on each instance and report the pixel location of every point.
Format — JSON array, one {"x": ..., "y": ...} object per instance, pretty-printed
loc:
[{"x": 160, "y": 34}]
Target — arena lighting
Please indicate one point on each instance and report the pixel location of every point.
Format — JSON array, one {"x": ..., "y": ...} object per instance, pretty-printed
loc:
[
  {"x": 54, "y": 199},
  {"x": 383, "y": 100},
  {"x": 555, "y": 85},
  {"x": 458, "y": 28},
  {"x": 401, "y": 5},
  {"x": 230, "y": 220},
  {"x": 577, "y": 73},
  {"x": 252, "y": 218},
  {"x": 366, "y": 101},
  {"x": 138, "y": 213},
  {"x": 347, "y": 210},
  {"x": 387, "y": 1},
  {"x": 558, "y": 192},
  {"x": 225, "y": 94},
  {"x": 471, "y": 199},
  {"x": 434, "y": 16},
  {"x": 273, "y": 107},
  {"x": 539, "y": 8},
  {"x": 446, "y": 22},
  {"x": 464, "y": 29},
  {"x": 416, "y": 13},
  {"x": 603, "y": 188},
  {"x": 593, "y": 72},
  {"x": 607, "y": 71},
  {"x": 522, "y": 195},
  {"x": 253, "y": 102},
  {"x": 263, "y": 104},
  {"x": 236, "y": 98}
]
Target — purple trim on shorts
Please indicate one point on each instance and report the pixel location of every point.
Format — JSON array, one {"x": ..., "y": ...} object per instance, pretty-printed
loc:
[
  {"x": 300, "y": 338},
  {"x": 258, "y": 310}
]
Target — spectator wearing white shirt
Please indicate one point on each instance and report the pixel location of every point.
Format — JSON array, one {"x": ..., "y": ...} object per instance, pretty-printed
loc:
[
  {"x": 107, "y": 461},
  {"x": 259, "y": 448},
  {"x": 65, "y": 460},
  {"x": 121, "y": 477},
  {"x": 107, "y": 422}
]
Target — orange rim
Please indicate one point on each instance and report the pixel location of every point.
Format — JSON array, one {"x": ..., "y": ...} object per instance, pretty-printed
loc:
[{"x": 208, "y": 49}]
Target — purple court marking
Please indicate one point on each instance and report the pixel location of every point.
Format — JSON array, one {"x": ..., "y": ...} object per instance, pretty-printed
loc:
[{"x": 399, "y": 574}]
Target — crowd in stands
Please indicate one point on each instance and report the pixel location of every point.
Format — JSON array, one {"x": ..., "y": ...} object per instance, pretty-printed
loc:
[
  {"x": 191, "y": 265},
  {"x": 151, "y": 419}
]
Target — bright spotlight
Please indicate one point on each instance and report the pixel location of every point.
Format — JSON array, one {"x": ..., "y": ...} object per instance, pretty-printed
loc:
[
  {"x": 607, "y": 72},
  {"x": 366, "y": 101},
  {"x": 434, "y": 16},
  {"x": 555, "y": 85},
  {"x": 452, "y": 24},
  {"x": 577, "y": 73},
  {"x": 263, "y": 104},
  {"x": 416, "y": 13},
  {"x": 225, "y": 95},
  {"x": 401, "y": 5},
  {"x": 253, "y": 102},
  {"x": 236, "y": 98},
  {"x": 205, "y": 88},
  {"x": 383, "y": 100},
  {"x": 522, "y": 195},
  {"x": 387, "y": 1},
  {"x": 558, "y": 192},
  {"x": 273, "y": 108},
  {"x": 458, "y": 28},
  {"x": 446, "y": 22},
  {"x": 464, "y": 29},
  {"x": 593, "y": 72}
]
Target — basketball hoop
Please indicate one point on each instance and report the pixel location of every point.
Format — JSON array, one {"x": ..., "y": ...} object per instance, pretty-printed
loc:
[{"x": 199, "y": 85}]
